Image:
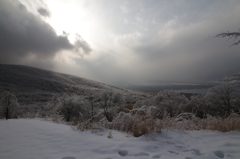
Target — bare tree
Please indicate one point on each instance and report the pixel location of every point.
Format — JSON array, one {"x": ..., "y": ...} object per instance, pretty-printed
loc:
[
  {"x": 230, "y": 35},
  {"x": 8, "y": 105}
]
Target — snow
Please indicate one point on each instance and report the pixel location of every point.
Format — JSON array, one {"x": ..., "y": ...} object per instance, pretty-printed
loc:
[{"x": 38, "y": 139}]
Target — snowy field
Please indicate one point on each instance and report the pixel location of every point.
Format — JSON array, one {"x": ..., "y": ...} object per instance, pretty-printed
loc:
[{"x": 38, "y": 139}]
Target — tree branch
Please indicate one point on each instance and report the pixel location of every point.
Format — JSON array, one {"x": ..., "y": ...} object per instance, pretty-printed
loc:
[{"x": 231, "y": 35}]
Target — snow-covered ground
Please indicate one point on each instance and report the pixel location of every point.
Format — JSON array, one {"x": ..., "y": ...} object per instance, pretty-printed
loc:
[{"x": 38, "y": 139}]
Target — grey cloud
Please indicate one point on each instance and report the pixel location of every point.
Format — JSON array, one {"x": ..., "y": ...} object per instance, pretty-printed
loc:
[
  {"x": 192, "y": 54},
  {"x": 44, "y": 12},
  {"x": 81, "y": 46},
  {"x": 26, "y": 37}
]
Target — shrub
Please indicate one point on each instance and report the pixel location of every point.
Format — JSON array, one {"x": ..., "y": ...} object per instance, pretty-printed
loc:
[{"x": 137, "y": 121}]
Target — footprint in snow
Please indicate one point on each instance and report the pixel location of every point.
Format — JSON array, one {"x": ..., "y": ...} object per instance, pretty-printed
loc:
[
  {"x": 142, "y": 154},
  {"x": 69, "y": 158},
  {"x": 155, "y": 147},
  {"x": 156, "y": 156},
  {"x": 176, "y": 153},
  {"x": 123, "y": 153},
  {"x": 194, "y": 151},
  {"x": 219, "y": 154},
  {"x": 180, "y": 147},
  {"x": 168, "y": 142}
]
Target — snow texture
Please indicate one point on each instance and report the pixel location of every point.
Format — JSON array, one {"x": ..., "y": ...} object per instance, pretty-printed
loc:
[{"x": 38, "y": 139}]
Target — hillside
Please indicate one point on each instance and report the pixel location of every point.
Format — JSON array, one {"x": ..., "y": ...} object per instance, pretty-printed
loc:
[{"x": 32, "y": 85}]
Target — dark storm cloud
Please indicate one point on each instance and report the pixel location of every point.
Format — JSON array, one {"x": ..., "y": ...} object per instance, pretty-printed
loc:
[
  {"x": 26, "y": 37},
  {"x": 44, "y": 12}
]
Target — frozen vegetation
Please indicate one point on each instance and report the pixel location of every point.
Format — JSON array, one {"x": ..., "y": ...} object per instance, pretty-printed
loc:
[
  {"x": 87, "y": 119},
  {"x": 38, "y": 139}
]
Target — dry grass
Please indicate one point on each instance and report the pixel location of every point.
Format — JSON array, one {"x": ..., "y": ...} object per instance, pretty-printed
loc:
[
  {"x": 210, "y": 123},
  {"x": 30, "y": 115},
  {"x": 146, "y": 127},
  {"x": 220, "y": 124},
  {"x": 142, "y": 127},
  {"x": 129, "y": 106},
  {"x": 84, "y": 125},
  {"x": 126, "y": 109}
]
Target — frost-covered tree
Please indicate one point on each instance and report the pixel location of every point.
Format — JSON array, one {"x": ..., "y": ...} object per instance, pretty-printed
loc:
[
  {"x": 170, "y": 102},
  {"x": 197, "y": 105},
  {"x": 142, "y": 102},
  {"x": 91, "y": 104},
  {"x": 234, "y": 77},
  {"x": 8, "y": 105},
  {"x": 109, "y": 101},
  {"x": 222, "y": 99},
  {"x": 71, "y": 106}
]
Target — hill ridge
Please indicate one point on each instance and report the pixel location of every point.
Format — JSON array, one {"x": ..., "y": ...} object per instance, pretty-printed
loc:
[{"x": 32, "y": 85}]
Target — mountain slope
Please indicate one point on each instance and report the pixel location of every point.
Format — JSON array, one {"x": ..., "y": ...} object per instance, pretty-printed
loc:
[{"x": 32, "y": 85}]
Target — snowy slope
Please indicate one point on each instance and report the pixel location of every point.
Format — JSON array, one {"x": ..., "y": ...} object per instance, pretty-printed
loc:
[{"x": 37, "y": 139}]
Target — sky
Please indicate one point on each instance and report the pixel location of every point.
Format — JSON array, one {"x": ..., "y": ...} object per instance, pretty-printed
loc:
[{"x": 122, "y": 42}]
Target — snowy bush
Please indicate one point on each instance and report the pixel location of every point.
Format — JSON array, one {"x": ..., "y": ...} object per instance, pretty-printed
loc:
[
  {"x": 122, "y": 122},
  {"x": 184, "y": 117},
  {"x": 139, "y": 121}
]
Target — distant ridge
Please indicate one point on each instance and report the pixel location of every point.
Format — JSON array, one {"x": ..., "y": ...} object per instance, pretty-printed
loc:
[{"x": 32, "y": 85}]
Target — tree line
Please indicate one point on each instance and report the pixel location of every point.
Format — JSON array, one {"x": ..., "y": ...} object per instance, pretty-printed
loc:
[{"x": 221, "y": 101}]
